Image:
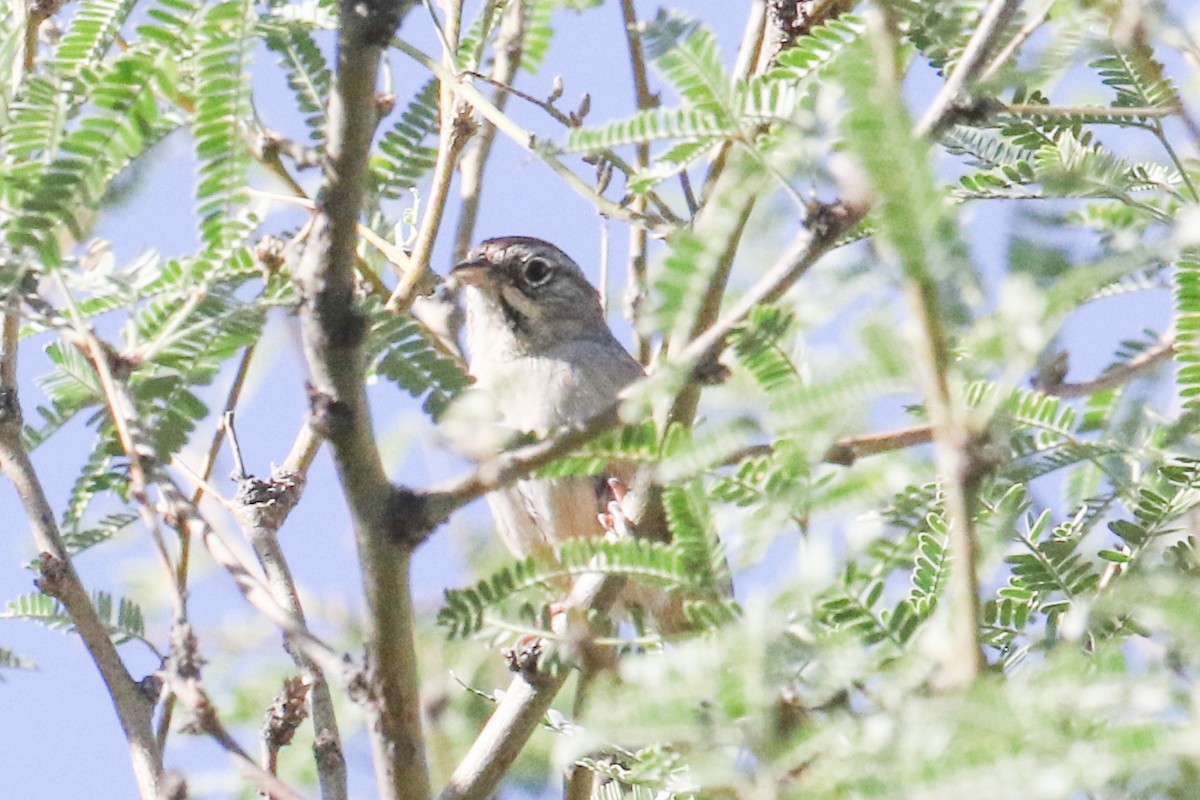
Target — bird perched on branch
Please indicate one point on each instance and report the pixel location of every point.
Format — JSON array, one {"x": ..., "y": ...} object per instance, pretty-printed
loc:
[{"x": 542, "y": 351}]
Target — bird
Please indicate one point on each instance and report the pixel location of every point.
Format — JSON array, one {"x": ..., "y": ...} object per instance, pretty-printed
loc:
[
  {"x": 539, "y": 345},
  {"x": 540, "y": 348}
]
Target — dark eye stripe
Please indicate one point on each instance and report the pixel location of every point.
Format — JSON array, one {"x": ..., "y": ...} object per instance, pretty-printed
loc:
[{"x": 517, "y": 321}]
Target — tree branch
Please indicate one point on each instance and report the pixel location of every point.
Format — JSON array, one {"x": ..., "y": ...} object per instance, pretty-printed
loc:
[
  {"x": 525, "y": 703},
  {"x": 455, "y": 129},
  {"x": 189, "y": 690},
  {"x": 439, "y": 502},
  {"x": 970, "y": 65},
  {"x": 253, "y": 585},
  {"x": 135, "y": 709},
  {"x": 261, "y": 508},
  {"x": 1010, "y": 49},
  {"x": 845, "y": 452},
  {"x": 956, "y": 440},
  {"x": 1118, "y": 375},
  {"x": 636, "y": 287},
  {"x": 333, "y": 330},
  {"x": 509, "y": 46},
  {"x": 528, "y": 141},
  {"x": 825, "y": 226}
]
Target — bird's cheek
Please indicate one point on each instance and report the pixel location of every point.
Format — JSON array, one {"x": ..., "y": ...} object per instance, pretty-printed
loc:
[{"x": 518, "y": 300}]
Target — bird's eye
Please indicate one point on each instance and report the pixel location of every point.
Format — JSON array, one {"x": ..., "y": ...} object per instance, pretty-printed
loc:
[{"x": 537, "y": 271}]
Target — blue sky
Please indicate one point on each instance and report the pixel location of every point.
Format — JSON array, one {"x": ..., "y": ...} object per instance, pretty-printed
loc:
[{"x": 62, "y": 738}]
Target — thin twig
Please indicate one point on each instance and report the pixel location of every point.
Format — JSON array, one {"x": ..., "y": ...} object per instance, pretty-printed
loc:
[
  {"x": 749, "y": 59},
  {"x": 607, "y": 155},
  {"x": 122, "y": 410},
  {"x": 9, "y": 342},
  {"x": 1010, "y": 49},
  {"x": 509, "y": 45},
  {"x": 261, "y": 508},
  {"x": 455, "y": 129},
  {"x": 183, "y": 562},
  {"x": 231, "y": 401},
  {"x": 826, "y": 226},
  {"x": 1037, "y": 110},
  {"x": 253, "y": 584},
  {"x": 304, "y": 449},
  {"x": 188, "y": 518},
  {"x": 449, "y": 40},
  {"x": 267, "y": 146},
  {"x": 525, "y": 703},
  {"x": 973, "y": 61},
  {"x": 1120, "y": 374},
  {"x": 284, "y": 717},
  {"x": 1180, "y": 167},
  {"x": 197, "y": 700},
  {"x": 503, "y": 469},
  {"x": 327, "y": 742},
  {"x": 395, "y": 255},
  {"x": 529, "y": 142},
  {"x": 579, "y": 783},
  {"x": 636, "y": 283},
  {"x": 956, "y": 440},
  {"x": 503, "y": 738},
  {"x": 235, "y": 449},
  {"x": 846, "y": 451},
  {"x": 728, "y": 200}
]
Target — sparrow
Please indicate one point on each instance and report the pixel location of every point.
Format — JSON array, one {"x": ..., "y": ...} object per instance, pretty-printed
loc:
[{"x": 541, "y": 349}]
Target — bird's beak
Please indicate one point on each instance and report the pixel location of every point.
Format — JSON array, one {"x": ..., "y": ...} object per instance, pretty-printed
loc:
[{"x": 471, "y": 273}]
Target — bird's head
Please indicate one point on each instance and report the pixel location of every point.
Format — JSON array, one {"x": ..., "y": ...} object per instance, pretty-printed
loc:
[{"x": 529, "y": 291}]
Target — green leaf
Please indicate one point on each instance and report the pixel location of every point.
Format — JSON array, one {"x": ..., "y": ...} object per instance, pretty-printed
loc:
[
  {"x": 810, "y": 54},
  {"x": 911, "y": 209},
  {"x": 120, "y": 616},
  {"x": 1137, "y": 77},
  {"x": 9, "y": 659},
  {"x": 685, "y": 51},
  {"x": 698, "y": 127},
  {"x": 307, "y": 74},
  {"x": 758, "y": 346},
  {"x": 222, "y": 112},
  {"x": 679, "y": 285},
  {"x": 94, "y": 27},
  {"x": 62, "y": 196},
  {"x": 399, "y": 349},
  {"x": 405, "y": 155},
  {"x": 1187, "y": 327},
  {"x": 538, "y": 33},
  {"x": 630, "y": 444},
  {"x": 84, "y": 538},
  {"x": 694, "y": 536},
  {"x": 1048, "y": 414},
  {"x": 654, "y": 563}
]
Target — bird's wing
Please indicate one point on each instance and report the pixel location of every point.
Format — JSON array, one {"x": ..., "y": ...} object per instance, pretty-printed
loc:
[
  {"x": 533, "y": 515},
  {"x": 556, "y": 389}
]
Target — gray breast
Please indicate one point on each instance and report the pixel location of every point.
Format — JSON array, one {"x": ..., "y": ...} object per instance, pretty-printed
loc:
[{"x": 539, "y": 394}]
